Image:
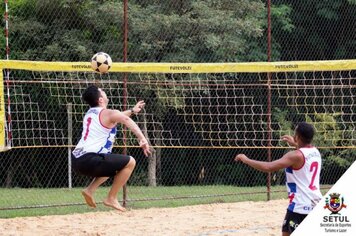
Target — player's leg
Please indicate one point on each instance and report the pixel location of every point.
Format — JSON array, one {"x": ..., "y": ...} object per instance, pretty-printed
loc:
[
  {"x": 89, "y": 191},
  {"x": 291, "y": 221},
  {"x": 120, "y": 179},
  {"x": 89, "y": 165},
  {"x": 285, "y": 226},
  {"x": 102, "y": 166},
  {"x": 285, "y": 234}
]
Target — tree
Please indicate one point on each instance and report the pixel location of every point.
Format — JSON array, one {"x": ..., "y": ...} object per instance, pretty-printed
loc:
[
  {"x": 323, "y": 30},
  {"x": 197, "y": 31}
]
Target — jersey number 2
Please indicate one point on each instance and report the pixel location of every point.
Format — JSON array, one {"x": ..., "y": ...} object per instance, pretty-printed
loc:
[
  {"x": 314, "y": 169},
  {"x": 87, "y": 131}
]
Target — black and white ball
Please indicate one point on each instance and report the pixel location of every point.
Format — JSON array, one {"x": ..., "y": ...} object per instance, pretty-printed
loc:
[{"x": 101, "y": 62}]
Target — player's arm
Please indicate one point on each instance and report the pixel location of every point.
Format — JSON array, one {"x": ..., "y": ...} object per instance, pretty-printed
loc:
[
  {"x": 136, "y": 109},
  {"x": 115, "y": 117},
  {"x": 291, "y": 159}
]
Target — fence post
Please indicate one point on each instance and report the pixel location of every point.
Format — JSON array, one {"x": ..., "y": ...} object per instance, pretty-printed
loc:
[
  {"x": 269, "y": 92},
  {"x": 70, "y": 128}
]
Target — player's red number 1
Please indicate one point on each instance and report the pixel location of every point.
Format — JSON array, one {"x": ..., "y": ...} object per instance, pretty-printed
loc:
[
  {"x": 87, "y": 131},
  {"x": 313, "y": 168}
]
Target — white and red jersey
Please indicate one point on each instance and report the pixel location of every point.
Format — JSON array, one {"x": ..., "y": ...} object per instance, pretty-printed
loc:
[
  {"x": 96, "y": 138},
  {"x": 303, "y": 183}
]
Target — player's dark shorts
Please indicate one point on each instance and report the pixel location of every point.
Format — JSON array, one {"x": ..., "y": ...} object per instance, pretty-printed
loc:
[
  {"x": 99, "y": 165},
  {"x": 291, "y": 221}
]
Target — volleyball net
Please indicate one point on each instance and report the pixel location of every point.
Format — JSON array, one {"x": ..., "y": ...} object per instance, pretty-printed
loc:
[{"x": 242, "y": 105}]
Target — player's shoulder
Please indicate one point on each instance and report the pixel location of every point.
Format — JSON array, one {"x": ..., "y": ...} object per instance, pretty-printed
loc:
[
  {"x": 296, "y": 157},
  {"x": 108, "y": 117},
  {"x": 113, "y": 115},
  {"x": 295, "y": 154},
  {"x": 106, "y": 110}
]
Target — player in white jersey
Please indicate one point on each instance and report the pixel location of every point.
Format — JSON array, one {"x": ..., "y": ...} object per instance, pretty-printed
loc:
[
  {"x": 92, "y": 156},
  {"x": 302, "y": 167}
]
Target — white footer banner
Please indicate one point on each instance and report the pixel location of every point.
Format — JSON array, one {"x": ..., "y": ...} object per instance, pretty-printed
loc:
[{"x": 335, "y": 214}]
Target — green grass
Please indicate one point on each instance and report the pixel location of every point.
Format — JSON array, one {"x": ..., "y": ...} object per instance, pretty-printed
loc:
[{"x": 70, "y": 201}]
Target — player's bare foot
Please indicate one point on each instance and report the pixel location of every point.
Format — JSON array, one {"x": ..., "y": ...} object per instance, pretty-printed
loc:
[
  {"x": 88, "y": 198},
  {"x": 114, "y": 204}
]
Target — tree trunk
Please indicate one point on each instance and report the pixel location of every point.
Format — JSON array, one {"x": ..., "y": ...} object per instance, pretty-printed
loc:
[
  {"x": 152, "y": 170},
  {"x": 13, "y": 168},
  {"x": 9, "y": 176},
  {"x": 151, "y": 159}
]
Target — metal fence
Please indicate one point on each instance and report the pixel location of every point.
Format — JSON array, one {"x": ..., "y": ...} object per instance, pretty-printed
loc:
[{"x": 197, "y": 123}]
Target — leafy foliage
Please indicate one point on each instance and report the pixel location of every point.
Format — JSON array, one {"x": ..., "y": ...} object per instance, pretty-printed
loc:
[{"x": 323, "y": 30}]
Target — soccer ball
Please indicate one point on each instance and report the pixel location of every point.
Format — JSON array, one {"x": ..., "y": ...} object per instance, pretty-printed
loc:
[{"x": 101, "y": 62}]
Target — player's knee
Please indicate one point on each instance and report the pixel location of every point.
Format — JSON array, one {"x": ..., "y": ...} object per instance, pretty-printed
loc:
[{"x": 132, "y": 162}]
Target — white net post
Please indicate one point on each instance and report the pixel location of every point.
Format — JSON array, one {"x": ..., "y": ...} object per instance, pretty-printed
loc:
[{"x": 70, "y": 142}]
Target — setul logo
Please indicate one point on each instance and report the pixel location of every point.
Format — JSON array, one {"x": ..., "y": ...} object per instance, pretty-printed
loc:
[
  {"x": 334, "y": 204},
  {"x": 335, "y": 222}
]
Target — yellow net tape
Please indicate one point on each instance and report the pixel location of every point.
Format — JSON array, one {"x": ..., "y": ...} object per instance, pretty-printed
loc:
[{"x": 250, "y": 67}]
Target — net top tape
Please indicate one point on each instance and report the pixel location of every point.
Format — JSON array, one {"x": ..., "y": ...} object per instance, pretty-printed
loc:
[{"x": 248, "y": 67}]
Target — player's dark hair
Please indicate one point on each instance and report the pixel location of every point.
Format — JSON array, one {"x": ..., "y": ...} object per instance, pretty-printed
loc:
[
  {"x": 305, "y": 132},
  {"x": 91, "y": 96}
]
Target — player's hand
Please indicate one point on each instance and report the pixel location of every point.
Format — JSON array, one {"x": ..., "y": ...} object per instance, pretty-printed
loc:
[
  {"x": 138, "y": 107},
  {"x": 241, "y": 157},
  {"x": 145, "y": 147},
  {"x": 289, "y": 139}
]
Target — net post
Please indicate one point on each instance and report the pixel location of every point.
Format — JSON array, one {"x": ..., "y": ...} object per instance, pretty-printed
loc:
[
  {"x": 70, "y": 128},
  {"x": 269, "y": 112},
  {"x": 125, "y": 28},
  {"x": 7, "y": 123}
]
